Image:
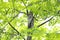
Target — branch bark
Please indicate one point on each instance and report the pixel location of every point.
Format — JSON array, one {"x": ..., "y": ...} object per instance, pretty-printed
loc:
[{"x": 30, "y": 24}]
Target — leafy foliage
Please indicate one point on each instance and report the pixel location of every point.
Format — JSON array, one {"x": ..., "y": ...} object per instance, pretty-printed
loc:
[{"x": 42, "y": 9}]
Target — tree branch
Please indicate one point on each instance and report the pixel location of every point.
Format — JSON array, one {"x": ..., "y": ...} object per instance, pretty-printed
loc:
[
  {"x": 35, "y": 18},
  {"x": 48, "y": 19},
  {"x": 13, "y": 27},
  {"x": 16, "y": 30}
]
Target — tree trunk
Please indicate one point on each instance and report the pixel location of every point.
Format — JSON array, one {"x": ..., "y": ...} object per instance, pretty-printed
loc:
[{"x": 30, "y": 24}]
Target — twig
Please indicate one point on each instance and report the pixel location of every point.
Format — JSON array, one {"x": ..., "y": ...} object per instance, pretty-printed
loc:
[
  {"x": 16, "y": 30},
  {"x": 48, "y": 19},
  {"x": 7, "y": 10},
  {"x": 35, "y": 18},
  {"x": 13, "y": 27}
]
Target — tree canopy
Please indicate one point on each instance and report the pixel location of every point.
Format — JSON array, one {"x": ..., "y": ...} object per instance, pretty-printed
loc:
[{"x": 14, "y": 19}]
